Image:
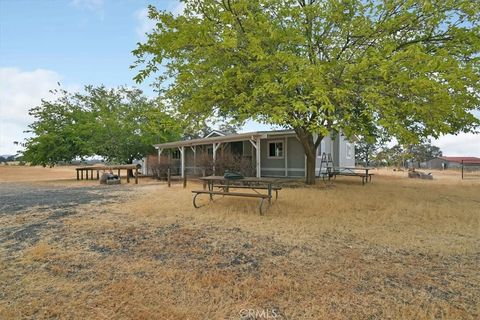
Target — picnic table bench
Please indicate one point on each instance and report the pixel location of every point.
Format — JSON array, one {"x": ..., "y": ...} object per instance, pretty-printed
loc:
[{"x": 225, "y": 185}]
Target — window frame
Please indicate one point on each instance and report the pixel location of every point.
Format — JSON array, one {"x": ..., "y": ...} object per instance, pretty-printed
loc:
[
  {"x": 349, "y": 147},
  {"x": 176, "y": 152},
  {"x": 283, "y": 149}
]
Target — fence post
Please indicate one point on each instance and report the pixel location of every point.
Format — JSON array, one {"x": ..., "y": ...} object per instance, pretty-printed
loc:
[
  {"x": 168, "y": 177},
  {"x": 184, "y": 181},
  {"x": 462, "y": 169}
]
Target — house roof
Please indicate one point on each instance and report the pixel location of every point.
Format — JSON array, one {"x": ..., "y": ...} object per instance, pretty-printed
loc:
[
  {"x": 226, "y": 138},
  {"x": 215, "y": 133},
  {"x": 460, "y": 159}
]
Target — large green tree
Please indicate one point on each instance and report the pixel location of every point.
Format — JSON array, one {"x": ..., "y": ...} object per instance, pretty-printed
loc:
[
  {"x": 119, "y": 125},
  {"x": 409, "y": 67}
]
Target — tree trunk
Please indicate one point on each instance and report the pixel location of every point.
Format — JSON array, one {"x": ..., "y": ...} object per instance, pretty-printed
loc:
[
  {"x": 310, "y": 148},
  {"x": 310, "y": 177}
]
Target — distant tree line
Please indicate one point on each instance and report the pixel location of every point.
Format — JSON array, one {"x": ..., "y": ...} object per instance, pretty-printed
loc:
[{"x": 397, "y": 155}]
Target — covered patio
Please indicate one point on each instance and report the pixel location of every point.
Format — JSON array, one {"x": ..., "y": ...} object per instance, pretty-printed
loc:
[
  {"x": 253, "y": 146},
  {"x": 215, "y": 142}
]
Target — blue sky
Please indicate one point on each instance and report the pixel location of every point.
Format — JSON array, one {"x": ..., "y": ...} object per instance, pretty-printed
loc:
[
  {"x": 80, "y": 42},
  {"x": 85, "y": 41},
  {"x": 74, "y": 42}
]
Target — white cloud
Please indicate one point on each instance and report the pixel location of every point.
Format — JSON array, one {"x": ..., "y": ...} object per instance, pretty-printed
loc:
[
  {"x": 20, "y": 91},
  {"x": 144, "y": 25},
  {"x": 177, "y": 7},
  {"x": 463, "y": 144},
  {"x": 93, "y": 5}
]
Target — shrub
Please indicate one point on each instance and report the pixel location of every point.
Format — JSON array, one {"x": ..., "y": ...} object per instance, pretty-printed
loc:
[
  {"x": 225, "y": 161},
  {"x": 158, "y": 167}
]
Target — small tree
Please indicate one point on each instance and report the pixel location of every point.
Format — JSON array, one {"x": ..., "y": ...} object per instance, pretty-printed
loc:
[
  {"x": 424, "y": 152},
  {"x": 118, "y": 124}
]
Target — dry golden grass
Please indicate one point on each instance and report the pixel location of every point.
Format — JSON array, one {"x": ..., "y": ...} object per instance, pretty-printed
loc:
[
  {"x": 397, "y": 248},
  {"x": 26, "y": 173}
]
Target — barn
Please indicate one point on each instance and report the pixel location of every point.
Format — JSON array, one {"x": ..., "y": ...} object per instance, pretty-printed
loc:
[{"x": 451, "y": 162}]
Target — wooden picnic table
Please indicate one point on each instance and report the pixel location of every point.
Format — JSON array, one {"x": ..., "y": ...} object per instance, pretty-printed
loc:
[
  {"x": 225, "y": 185},
  {"x": 362, "y": 172}
]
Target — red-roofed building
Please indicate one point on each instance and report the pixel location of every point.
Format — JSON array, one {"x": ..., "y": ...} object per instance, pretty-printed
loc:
[{"x": 452, "y": 162}]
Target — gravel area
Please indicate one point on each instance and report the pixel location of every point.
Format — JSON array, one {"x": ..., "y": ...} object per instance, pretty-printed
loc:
[{"x": 26, "y": 209}]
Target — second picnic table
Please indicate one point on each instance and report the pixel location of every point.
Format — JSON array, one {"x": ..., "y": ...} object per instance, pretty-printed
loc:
[
  {"x": 225, "y": 184},
  {"x": 362, "y": 172}
]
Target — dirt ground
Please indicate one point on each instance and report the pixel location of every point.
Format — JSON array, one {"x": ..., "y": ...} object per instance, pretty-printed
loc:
[{"x": 396, "y": 248}]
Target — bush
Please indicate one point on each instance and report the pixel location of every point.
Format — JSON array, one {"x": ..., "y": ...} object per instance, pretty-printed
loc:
[
  {"x": 225, "y": 161},
  {"x": 158, "y": 167},
  {"x": 204, "y": 162}
]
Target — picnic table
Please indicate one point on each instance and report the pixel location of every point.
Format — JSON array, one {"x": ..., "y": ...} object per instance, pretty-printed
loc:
[
  {"x": 248, "y": 183},
  {"x": 362, "y": 172}
]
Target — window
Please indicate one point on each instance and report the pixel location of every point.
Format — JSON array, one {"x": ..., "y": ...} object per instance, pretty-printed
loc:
[
  {"x": 349, "y": 150},
  {"x": 275, "y": 149},
  {"x": 176, "y": 154}
]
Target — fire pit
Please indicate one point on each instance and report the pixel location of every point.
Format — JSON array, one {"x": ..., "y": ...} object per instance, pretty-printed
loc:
[{"x": 109, "y": 178}]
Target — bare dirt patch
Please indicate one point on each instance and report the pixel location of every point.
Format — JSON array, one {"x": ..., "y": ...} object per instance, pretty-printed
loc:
[{"x": 394, "y": 249}]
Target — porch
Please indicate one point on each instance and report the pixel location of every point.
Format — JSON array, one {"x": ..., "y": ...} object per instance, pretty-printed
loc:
[{"x": 258, "y": 154}]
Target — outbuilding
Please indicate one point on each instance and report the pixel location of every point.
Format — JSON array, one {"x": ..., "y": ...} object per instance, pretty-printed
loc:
[{"x": 451, "y": 162}]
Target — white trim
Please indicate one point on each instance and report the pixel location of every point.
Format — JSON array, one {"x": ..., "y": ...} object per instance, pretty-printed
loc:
[
  {"x": 268, "y": 149},
  {"x": 159, "y": 154},
  {"x": 228, "y": 138},
  {"x": 215, "y": 148},
  {"x": 182, "y": 161},
  {"x": 281, "y": 169},
  {"x": 258, "y": 158},
  {"x": 349, "y": 155},
  {"x": 221, "y": 134}
]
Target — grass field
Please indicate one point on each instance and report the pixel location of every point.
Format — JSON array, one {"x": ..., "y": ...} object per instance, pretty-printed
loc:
[{"x": 397, "y": 248}]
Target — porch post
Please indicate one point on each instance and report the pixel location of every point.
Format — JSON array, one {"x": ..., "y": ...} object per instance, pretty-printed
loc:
[
  {"x": 182, "y": 161},
  {"x": 194, "y": 149},
  {"x": 159, "y": 154},
  {"x": 256, "y": 145},
  {"x": 214, "y": 152},
  {"x": 259, "y": 172},
  {"x": 215, "y": 147}
]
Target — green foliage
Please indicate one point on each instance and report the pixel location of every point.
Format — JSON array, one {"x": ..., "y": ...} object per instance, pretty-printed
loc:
[
  {"x": 424, "y": 152},
  {"x": 118, "y": 124},
  {"x": 394, "y": 156},
  {"x": 398, "y": 155},
  {"x": 409, "y": 67}
]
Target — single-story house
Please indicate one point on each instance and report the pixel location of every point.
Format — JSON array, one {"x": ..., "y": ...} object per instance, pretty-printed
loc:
[
  {"x": 271, "y": 153},
  {"x": 451, "y": 162}
]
